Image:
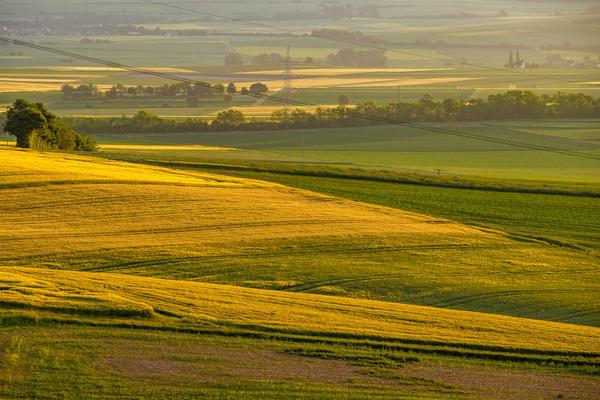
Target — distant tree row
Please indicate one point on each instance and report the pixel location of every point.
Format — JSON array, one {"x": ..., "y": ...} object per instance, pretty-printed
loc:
[
  {"x": 346, "y": 36},
  {"x": 37, "y": 128},
  {"x": 358, "y": 58},
  {"x": 510, "y": 105},
  {"x": 203, "y": 89}
]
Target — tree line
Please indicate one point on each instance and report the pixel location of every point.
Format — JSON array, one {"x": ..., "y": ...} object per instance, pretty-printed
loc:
[
  {"x": 186, "y": 90},
  {"x": 509, "y": 105}
]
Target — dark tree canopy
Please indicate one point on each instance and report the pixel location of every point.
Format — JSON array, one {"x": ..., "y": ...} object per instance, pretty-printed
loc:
[
  {"x": 358, "y": 58},
  {"x": 510, "y": 105},
  {"x": 35, "y": 127},
  {"x": 231, "y": 88},
  {"x": 259, "y": 89},
  {"x": 233, "y": 59}
]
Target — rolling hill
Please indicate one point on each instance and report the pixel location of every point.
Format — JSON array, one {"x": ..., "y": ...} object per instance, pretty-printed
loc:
[{"x": 89, "y": 214}]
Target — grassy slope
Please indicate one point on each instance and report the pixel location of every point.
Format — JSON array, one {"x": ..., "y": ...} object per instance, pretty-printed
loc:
[{"x": 83, "y": 213}]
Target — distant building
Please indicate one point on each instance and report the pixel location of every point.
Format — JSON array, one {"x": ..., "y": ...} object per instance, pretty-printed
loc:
[
  {"x": 515, "y": 62},
  {"x": 519, "y": 64}
]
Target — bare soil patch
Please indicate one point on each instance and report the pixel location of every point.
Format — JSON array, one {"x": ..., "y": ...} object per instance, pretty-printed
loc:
[
  {"x": 222, "y": 365},
  {"x": 495, "y": 383}
]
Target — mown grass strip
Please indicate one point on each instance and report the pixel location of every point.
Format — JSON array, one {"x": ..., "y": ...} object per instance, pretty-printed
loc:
[{"x": 309, "y": 338}]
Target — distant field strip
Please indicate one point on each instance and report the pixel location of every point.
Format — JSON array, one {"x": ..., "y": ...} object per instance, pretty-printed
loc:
[
  {"x": 111, "y": 69},
  {"x": 15, "y": 87},
  {"x": 329, "y": 82},
  {"x": 342, "y": 71},
  {"x": 143, "y": 147}
]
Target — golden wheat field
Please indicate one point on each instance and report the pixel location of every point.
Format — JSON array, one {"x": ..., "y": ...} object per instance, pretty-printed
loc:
[
  {"x": 94, "y": 202},
  {"x": 200, "y": 305}
]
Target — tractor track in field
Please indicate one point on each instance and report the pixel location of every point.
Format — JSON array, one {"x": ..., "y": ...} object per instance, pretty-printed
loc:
[
  {"x": 216, "y": 227},
  {"x": 316, "y": 250},
  {"x": 458, "y": 301},
  {"x": 304, "y": 287}
]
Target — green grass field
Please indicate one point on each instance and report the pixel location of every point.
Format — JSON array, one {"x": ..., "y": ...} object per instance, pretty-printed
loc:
[{"x": 407, "y": 148}]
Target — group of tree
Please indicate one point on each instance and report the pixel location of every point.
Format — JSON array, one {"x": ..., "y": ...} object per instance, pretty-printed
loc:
[
  {"x": 268, "y": 58},
  {"x": 37, "y": 128},
  {"x": 187, "y": 90},
  {"x": 557, "y": 61},
  {"x": 346, "y": 36},
  {"x": 276, "y": 58},
  {"x": 358, "y": 58},
  {"x": 509, "y": 105},
  {"x": 234, "y": 59},
  {"x": 87, "y": 40}
]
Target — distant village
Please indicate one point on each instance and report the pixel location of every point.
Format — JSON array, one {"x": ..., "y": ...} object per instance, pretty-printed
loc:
[{"x": 516, "y": 61}]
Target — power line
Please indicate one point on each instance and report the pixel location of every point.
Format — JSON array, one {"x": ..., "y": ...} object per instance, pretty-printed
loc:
[
  {"x": 354, "y": 114},
  {"x": 355, "y": 43}
]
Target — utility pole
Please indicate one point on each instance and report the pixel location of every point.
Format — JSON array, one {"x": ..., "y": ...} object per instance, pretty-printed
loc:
[
  {"x": 398, "y": 103},
  {"x": 287, "y": 93},
  {"x": 287, "y": 83},
  {"x": 438, "y": 171}
]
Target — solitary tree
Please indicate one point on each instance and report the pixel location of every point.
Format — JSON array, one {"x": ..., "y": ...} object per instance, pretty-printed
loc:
[
  {"x": 35, "y": 127},
  {"x": 232, "y": 118},
  {"x": 22, "y": 119},
  {"x": 231, "y": 88},
  {"x": 259, "y": 89}
]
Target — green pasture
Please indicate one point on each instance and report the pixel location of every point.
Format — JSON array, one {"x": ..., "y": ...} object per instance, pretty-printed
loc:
[{"x": 411, "y": 148}]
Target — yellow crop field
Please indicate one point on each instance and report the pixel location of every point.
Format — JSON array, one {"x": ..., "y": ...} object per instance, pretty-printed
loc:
[
  {"x": 199, "y": 305},
  {"x": 15, "y": 87},
  {"x": 35, "y": 80},
  {"x": 329, "y": 82},
  {"x": 413, "y": 82},
  {"x": 113, "y": 69},
  {"x": 6, "y": 73},
  {"x": 146, "y": 206},
  {"x": 343, "y": 71},
  {"x": 144, "y": 147},
  {"x": 22, "y": 167}
]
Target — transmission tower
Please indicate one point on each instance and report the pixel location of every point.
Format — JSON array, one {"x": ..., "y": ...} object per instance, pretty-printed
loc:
[{"x": 287, "y": 82}]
